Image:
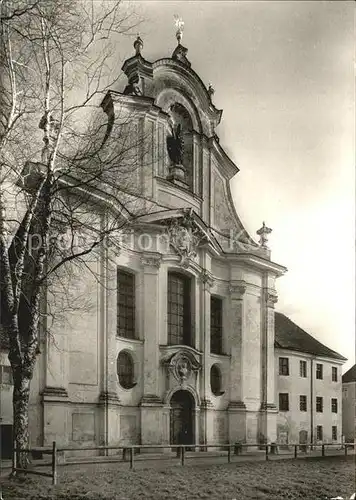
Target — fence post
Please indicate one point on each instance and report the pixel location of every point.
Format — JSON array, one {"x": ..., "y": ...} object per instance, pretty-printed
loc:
[
  {"x": 295, "y": 451},
  {"x": 182, "y": 455},
  {"x": 229, "y": 454},
  {"x": 131, "y": 458},
  {"x": 54, "y": 463},
  {"x": 266, "y": 451},
  {"x": 345, "y": 450},
  {"x": 14, "y": 458},
  {"x": 323, "y": 450}
]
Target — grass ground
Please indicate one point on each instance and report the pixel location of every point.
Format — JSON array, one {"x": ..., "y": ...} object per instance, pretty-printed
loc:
[{"x": 307, "y": 479}]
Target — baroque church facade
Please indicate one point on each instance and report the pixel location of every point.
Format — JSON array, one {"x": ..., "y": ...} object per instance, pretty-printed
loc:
[{"x": 179, "y": 346}]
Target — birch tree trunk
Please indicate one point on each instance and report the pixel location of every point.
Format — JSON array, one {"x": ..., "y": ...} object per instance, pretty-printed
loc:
[
  {"x": 44, "y": 46},
  {"x": 21, "y": 396}
]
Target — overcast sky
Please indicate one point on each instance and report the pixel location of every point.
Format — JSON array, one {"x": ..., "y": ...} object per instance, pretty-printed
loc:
[{"x": 283, "y": 74}]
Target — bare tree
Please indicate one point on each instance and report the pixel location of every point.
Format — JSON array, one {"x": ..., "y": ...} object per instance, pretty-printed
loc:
[{"x": 61, "y": 160}]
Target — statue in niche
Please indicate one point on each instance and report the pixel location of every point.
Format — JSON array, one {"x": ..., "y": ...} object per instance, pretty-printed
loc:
[
  {"x": 134, "y": 86},
  {"x": 183, "y": 369},
  {"x": 175, "y": 145}
]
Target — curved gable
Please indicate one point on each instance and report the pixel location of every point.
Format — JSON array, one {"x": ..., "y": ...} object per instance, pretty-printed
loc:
[
  {"x": 189, "y": 166},
  {"x": 175, "y": 74}
]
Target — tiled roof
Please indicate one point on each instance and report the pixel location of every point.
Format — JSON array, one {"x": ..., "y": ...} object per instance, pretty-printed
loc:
[
  {"x": 288, "y": 335},
  {"x": 350, "y": 375}
]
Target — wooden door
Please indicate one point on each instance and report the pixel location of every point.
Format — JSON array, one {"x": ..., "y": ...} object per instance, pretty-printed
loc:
[
  {"x": 6, "y": 441},
  {"x": 181, "y": 418}
]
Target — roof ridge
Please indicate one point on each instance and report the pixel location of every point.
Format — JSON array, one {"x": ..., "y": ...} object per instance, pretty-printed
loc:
[
  {"x": 291, "y": 336},
  {"x": 350, "y": 375}
]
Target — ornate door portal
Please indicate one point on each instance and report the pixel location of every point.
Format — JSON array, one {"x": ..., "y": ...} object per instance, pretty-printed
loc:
[{"x": 181, "y": 418}]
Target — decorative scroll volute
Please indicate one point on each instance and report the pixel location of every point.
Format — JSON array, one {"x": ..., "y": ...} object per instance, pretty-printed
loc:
[
  {"x": 237, "y": 289},
  {"x": 207, "y": 279},
  {"x": 271, "y": 297}
]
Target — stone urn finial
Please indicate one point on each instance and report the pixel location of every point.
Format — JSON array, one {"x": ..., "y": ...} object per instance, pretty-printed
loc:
[{"x": 263, "y": 232}]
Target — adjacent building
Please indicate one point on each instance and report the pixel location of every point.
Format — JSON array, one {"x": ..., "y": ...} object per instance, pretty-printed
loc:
[
  {"x": 308, "y": 386},
  {"x": 349, "y": 405}
]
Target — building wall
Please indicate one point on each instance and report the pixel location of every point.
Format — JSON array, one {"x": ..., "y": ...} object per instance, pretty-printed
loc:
[
  {"x": 290, "y": 423},
  {"x": 5, "y": 394},
  {"x": 76, "y": 397},
  {"x": 349, "y": 411}
]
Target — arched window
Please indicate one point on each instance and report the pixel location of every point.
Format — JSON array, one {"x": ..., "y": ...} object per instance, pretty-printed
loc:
[
  {"x": 125, "y": 304},
  {"x": 181, "y": 117},
  {"x": 215, "y": 380},
  {"x": 179, "y": 310},
  {"x": 216, "y": 332},
  {"x": 125, "y": 370}
]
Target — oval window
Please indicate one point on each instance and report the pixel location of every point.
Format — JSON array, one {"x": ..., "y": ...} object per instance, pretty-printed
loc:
[
  {"x": 125, "y": 370},
  {"x": 215, "y": 380}
]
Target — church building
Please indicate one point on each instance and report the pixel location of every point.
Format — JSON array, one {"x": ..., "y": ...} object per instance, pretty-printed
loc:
[{"x": 181, "y": 343}]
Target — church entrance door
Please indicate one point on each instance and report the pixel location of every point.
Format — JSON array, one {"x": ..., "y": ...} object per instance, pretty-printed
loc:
[
  {"x": 181, "y": 417},
  {"x": 6, "y": 441}
]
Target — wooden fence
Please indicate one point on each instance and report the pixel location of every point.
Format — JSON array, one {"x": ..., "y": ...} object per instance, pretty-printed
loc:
[{"x": 232, "y": 449}]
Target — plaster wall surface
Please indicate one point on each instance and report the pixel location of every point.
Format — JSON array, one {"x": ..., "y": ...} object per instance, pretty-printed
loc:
[
  {"x": 349, "y": 411},
  {"x": 291, "y": 422}
]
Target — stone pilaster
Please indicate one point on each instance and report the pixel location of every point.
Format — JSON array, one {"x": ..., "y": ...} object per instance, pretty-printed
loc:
[
  {"x": 110, "y": 422},
  {"x": 55, "y": 415},
  {"x": 206, "y": 282},
  {"x": 56, "y": 377},
  {"x": 197, "y": 181},
  {"x": 237, "y": 291},
  {"x": 55, "y": 393},
  {"x": 268, "y": 411},
  {"x": 109, "y": 329},
  {"x": 152, "y": 415},
  {"x": 109, "y": 403},
  {"x": 207, "y": 413},
  {"x": 151, "y": 269},
  {"x": 236, "y": 407}
]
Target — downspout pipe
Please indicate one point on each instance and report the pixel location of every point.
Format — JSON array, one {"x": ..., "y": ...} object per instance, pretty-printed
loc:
[{"x": 312, "y": 401}]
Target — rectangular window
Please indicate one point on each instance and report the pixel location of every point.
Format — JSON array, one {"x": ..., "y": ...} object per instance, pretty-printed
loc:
[
  {"x": 319, "y": 371},
  {"x": 319, "y": 432},
  {"x": 283, "y": 401},
  {"x": 303, "y": 368},
  {"x": 334, "y": 374},
  {"x": 334, "y": 433},
  {"x": 333, "y": 405},
  {"x": 319, "y": 404},
  {"x": 125, "y": 304},
  {"x": 6, "y": 375},
  {"x": 216, "y": 311},
  {"x": 284, "y": 366},
  {"x": 303, "y": 403},
  {"x": 179, "y": 315}
]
